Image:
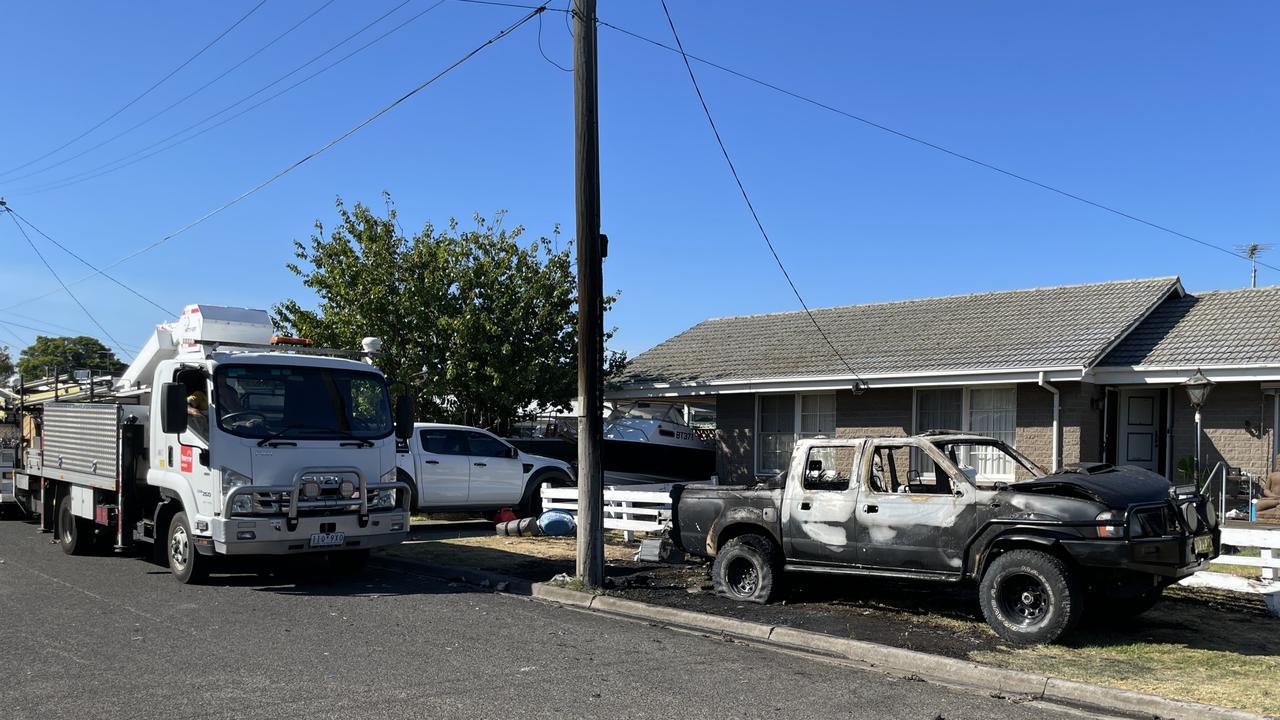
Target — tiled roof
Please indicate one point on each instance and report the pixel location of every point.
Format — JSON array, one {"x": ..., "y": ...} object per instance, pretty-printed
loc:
[
  {"x": 1068, "y": 326},
  {"x": 1228, "y": 327}
]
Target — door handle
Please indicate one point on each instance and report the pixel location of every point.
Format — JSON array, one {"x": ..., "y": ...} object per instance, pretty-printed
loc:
[
  {"x": 480, "y": 464},
  {"x": 805, "y": 505},
  {"x": 870, "y": 508},
  {"x": 430, "y": 462}
]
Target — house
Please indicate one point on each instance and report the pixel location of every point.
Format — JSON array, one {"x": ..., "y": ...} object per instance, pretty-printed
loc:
[{"x": 1066, "y": 374}]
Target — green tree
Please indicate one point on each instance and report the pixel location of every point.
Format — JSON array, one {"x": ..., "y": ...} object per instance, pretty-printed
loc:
[
  {"x": 66, "y": 354},
  {"x": 480, "y": 326},
  {"x": 6, "y": 364}
]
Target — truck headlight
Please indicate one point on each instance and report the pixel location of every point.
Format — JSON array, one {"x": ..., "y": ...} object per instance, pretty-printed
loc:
[
  {"x": 388, "y": 476},
  {"x": 382, "y": 499},
  {"x": 1110, "y": 531},
  {"x": 232, "y": 480}
]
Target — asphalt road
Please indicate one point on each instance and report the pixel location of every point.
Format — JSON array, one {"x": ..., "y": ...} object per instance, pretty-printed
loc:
[{"x": 116, "y": 637}]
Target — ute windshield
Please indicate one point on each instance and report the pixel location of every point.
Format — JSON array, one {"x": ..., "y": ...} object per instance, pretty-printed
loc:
[{"x": 301, "y": 403}]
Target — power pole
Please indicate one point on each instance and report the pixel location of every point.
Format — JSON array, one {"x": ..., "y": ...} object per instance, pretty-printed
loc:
[{"x": 590, "y": 298}]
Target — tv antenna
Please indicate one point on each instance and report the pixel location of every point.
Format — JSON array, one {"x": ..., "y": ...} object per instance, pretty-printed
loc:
[{"x": 1251, "y": 251}]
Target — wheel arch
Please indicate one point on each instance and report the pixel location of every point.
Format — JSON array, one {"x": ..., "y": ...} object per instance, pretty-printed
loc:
[
  {"x": 738, "y": 528},
  {"x": 1020, "y": 540}
]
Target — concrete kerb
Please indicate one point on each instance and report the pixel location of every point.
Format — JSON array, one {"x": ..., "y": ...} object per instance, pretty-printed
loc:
[{"x": 903, "y": 662}]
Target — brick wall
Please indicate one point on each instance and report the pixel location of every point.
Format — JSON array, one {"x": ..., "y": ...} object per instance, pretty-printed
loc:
[
  {"x": 1079, "y": 415},
  {"x": 1237, "y": 423},
  {"x": 875, "y": 412}
]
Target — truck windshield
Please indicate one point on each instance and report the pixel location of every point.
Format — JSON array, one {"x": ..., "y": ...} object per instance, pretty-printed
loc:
[{"x": 307, "y": 403}]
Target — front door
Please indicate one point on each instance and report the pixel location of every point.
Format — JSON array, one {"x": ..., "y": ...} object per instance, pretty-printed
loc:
[
  {"x": 1139, "y": 429},
  {"x": 913, "y": 518},
  {"x": 496, "y": 477}
]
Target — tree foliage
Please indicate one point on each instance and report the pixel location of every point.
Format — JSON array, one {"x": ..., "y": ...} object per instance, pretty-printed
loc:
[
  {"x": 66, "y": 354},
  {"x": 480, "y": 326},
  {"x": 7, "y": 367}
]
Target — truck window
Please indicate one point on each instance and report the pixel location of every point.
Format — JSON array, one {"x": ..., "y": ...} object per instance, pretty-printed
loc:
[
  {"x": 894, "y": 469},
  {"x": 443, "y": 442},
  {"x": 828, "y": 468},
  {"x": 484, "y": 446}
]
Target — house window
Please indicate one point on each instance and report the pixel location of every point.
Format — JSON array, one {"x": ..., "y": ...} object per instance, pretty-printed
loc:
[
  {"x": 990, "y": 411},
  {"x": 783, "y": 419}
]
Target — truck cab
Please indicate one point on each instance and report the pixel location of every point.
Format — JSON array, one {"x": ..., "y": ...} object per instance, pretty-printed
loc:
[
  {"x": 956, "y": 507},
  {"x": 461, "y": 468}
]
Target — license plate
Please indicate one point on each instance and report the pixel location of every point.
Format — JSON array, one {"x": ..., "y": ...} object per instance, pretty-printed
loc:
[
  {"x": 1204, "y": 544},
  {"x": 327, "y": 539}
]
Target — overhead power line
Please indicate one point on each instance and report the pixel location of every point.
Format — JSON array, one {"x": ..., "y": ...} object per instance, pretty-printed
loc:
[
  {"x": 158, "y": 147},
  {"x": 309, "y": 156},
  {"x": 175, "y": 103},
  {"x": 90, "y": 265},
  {"x": 57, "y": 277},
  {"x": 145, "y": 93},
  {"x": 935, "y": 146},
  {"x": 747, "y": 198}
]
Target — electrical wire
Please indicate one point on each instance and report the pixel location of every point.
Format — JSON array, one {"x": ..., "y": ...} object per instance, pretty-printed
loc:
[
  {"x": 935, "y": 146},
  {"x": 747, "y": 198},
  {"x": 136, "y": 156},
  {"x": 542, "y": 52},
  {"x": 90, "y": 265},
  {"x": 57, "y": 277},
  {"x": 175, "y": 103},
  {"x": 296, "y": 164},
  {"x": 145, "y": 93}
]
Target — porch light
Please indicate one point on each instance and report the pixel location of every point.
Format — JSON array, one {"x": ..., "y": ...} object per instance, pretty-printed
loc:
[{"x": 1198, "y": 388}]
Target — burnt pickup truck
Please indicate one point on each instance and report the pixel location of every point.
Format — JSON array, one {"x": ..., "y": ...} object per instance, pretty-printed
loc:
[{"x": 953, "y": 507}]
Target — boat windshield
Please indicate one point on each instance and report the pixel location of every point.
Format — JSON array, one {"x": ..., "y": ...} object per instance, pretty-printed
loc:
[
  {"x": 661, "y": 412},
  {"x": 301, "y": 402}
]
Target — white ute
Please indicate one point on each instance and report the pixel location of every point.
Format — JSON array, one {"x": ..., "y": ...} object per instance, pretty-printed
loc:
[
  {"x": 460, "y": 468},
  {"x": 223, "y": 439}
]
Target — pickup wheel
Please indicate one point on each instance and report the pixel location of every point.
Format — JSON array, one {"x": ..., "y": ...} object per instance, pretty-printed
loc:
[
  {"x": 185, "y": 562},
  {"x": 1029, "y": 597},
  {"x": 75, "y": 535},
  {"x": 747, "y": 568},
  {"x": 531, "y": 504}
]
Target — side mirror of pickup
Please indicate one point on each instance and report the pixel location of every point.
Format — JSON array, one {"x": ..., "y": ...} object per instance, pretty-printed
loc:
[
  {"x": 404, "y": 417},
  {"x": 173, "y": 408}
]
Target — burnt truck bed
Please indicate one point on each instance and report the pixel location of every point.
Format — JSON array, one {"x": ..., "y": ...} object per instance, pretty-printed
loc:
[{"x": 1094, "y": 535}]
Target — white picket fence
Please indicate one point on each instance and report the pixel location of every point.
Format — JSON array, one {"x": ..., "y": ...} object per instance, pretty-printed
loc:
[
  {"x": 631, "y": 509},
  {"x": 1267, "y": 542}
]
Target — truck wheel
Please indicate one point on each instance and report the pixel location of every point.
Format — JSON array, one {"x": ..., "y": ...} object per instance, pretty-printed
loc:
[
  {"x": 747, "y": 568},
  {"x": 531, "y": 504},
  {"x": 348, "y": 562},
  {"x": 1029, "y": 597},
  {"x": 75, "y": 535},
  {"x": 185, "y": 562}
]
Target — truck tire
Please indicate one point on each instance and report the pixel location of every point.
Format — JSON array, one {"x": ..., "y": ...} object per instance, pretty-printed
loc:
[
  {"x": 348, "y": 562},
  {"x": 747, "y": 568},
  {"x": 186, "y": 564},
  {"x": 1030, "y": 597},
  {"x": 531, "y": 504},
  {"x": 75, "y": 535}
]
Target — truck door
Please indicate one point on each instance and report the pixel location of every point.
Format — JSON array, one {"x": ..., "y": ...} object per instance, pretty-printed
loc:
[
  {"x": 442, "y": 467},
  {"x": 188, "y": 453},
  {"x": 917, "y": 510},
  {"x": 497, "y": 478},
  {"x": 818, "y": 506}
]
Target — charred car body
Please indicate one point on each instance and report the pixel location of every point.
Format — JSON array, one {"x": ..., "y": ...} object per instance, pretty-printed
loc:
[{"x": 946, "y": 506}]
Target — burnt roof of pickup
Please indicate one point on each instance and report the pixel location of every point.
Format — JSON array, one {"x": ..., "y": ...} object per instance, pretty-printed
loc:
[{"x": 1069, "y": 326}]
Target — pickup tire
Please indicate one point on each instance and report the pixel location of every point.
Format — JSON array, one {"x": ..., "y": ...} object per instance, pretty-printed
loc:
[
  {"x": 75, "y": 535},
  {"x": 185, "y": 562},
  {"x": 748, "y": 568},
  {"x": 1030, "y": 597},
  {"x": 531, "y": 504}
]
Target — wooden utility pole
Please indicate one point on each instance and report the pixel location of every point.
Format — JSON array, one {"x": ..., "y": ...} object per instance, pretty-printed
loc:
[{"x": 590, "y": 298}]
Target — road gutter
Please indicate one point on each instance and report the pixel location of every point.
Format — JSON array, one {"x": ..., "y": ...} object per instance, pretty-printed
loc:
[{"x": 936, "y": 668}]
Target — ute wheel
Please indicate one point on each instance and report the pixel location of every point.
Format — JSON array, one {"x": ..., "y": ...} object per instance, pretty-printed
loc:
[
  {"x": 747, "y": 568},
  {"x": 185, "y": 562},
  {"x": 1029, "y": 597},
  {"x": 348, "y": 562},
  {"x": 75, "y": 535},
  {"x": 531, "y": 504}
]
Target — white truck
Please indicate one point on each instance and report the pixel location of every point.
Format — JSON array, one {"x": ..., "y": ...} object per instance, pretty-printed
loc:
[
  {"x": 459, "y": 468},
  {"x": 223, "y": 439}
]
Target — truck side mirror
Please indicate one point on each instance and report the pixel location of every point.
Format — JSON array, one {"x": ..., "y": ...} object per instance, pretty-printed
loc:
[
  {"x": 404, "y": 417},
  {"x": 173, "y": 408}
]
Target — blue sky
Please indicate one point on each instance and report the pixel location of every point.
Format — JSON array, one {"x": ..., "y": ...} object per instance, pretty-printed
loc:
[{"x": 1167, "y": 110}]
